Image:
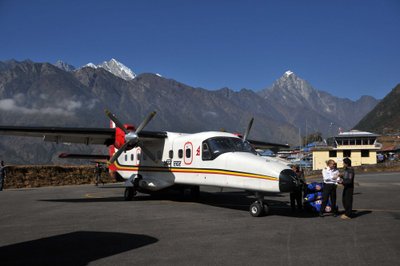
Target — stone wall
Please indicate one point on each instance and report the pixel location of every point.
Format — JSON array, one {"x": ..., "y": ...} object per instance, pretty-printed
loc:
[{"x": 51, "y": 175}]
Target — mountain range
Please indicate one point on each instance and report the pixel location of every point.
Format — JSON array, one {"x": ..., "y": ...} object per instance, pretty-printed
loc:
[
  {"x": 44, "y": 94},
  {"x": 384, "y": 118}
]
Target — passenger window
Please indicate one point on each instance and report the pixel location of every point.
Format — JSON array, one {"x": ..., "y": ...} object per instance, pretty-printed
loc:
[
  {"x": 132, "y": 157},
  {"x": 126, "y": 157},
  {"x": 188, "y": 153},
  {"x": 171, "y": 154},
  {"x": 180, "y": 154}
]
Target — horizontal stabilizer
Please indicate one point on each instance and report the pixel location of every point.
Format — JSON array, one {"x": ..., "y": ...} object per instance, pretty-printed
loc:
[{"x": 267, "y": 145}]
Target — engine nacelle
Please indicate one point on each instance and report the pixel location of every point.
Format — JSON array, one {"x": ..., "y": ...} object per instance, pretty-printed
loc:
[
  {"x": 118, "y": 142},
  {"x": 154, "y": 184},
  {"x": 120, "y": 136}
]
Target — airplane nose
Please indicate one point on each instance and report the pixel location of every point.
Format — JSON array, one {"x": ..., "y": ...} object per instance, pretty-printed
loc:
[{"x": 288, "y": 181}]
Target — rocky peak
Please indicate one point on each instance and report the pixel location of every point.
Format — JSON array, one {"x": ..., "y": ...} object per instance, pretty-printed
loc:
[
  {"x": 64, "y": 66},
  {"x": 115, "y": 67}
]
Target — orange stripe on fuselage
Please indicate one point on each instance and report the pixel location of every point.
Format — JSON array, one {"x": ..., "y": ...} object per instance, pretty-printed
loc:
[{"x": 192, "y": 171}]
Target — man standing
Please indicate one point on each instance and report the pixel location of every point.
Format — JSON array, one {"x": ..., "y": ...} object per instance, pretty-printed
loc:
[
  {"x": 330, "y": 176},
  {"x": 348, "y": 183},
  {"x": 2, "y": 175},
  {"x": 97, "y": 172},
  {"x": 296, "y": 196}
]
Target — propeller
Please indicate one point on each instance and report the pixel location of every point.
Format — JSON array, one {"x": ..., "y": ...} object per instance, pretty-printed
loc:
[
  {"x": 116, "y": 121},
  {"x": 246, "y": 134},
  {"x": 131, "y": 138}
]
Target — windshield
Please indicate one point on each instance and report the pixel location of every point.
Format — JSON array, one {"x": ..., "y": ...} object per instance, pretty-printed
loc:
[{"x": 219, "y": 145}]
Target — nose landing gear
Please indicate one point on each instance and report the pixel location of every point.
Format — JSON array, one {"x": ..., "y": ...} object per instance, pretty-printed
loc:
[{"x": 259, "y": 207}]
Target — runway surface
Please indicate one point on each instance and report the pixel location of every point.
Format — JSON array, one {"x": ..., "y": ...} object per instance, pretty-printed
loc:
[{"x": 88, "y": 225}]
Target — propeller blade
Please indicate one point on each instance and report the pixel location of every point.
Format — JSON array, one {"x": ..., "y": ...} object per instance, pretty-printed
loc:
[
  {"x": 246, "y": 134},
  {"x": 116, "y": 121},
  {"x": 145, "y": 122},
  {"x": 147, "y": 151},
  {"x": 119, "y": 152}
]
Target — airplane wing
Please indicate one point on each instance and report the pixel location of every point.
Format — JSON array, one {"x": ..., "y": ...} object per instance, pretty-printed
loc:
[
  {"x": 266, "y": 145},
  {"x": 102, "y": 136},
  {"x": 84, "y": 156}
]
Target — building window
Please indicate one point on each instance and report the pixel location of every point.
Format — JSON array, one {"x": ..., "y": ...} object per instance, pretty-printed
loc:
[
  {"x": 180, "y": 154},
  {"x": 364, "y": 153},
  {"x": 332, "y": 154},
  {"x": 346, "y": 153}
]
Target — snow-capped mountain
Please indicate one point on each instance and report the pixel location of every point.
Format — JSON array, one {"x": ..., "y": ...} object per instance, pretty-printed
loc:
[
  {"x": 301, "y": 103},
  {"x": 116, "y": 68},
  {"x": 290, "y": 89},
  {"x": 64, "y": 66}
]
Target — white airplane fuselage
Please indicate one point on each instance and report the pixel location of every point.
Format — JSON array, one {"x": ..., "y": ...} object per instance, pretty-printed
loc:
[{"x": 187, "y": 159}]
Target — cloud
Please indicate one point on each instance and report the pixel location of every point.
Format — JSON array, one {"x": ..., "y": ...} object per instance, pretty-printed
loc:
[
  {"x": 65, "y": 107},
  {"x": 210, "y": 114}
]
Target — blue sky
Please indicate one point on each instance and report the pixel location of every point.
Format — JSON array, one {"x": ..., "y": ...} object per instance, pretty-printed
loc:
[{"x": 348, "y": 48}]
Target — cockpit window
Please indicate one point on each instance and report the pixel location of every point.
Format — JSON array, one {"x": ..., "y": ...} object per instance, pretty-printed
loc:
[{"x": 214, "y": 147}]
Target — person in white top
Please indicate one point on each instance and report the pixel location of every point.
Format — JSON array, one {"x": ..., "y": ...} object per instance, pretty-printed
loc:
[{"x": 330, "y": 175}]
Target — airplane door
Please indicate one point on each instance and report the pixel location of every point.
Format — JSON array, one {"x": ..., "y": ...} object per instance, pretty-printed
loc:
[
  {"x": 138, "y": 156},
  {"x": 188, "y": 156}
]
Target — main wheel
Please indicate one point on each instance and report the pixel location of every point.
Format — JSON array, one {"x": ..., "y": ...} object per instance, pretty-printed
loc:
[
  {"x": 266, "y": 209},
  {"x": 256, "y": 209},
  {"x": 129, "y": 193}
]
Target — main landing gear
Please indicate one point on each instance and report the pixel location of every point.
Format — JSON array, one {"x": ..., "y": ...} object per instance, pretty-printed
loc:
[
  {"x": 259, "y": 208},
  {"x": 131, "y": 187},
  {"x": 129, "y": 193}
]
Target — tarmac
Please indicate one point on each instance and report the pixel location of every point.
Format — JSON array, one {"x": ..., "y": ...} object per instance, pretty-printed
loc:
[{"x": 88, "y": 225}]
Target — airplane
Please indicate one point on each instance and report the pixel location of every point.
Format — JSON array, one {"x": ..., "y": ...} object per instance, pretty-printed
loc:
[{"x": 151, "y": 161}]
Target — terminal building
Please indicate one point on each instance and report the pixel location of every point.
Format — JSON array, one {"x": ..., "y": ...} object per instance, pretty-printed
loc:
[{"x": 360, "y": 147}]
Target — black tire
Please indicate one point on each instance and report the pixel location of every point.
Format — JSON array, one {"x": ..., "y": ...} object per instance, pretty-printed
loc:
[
  {"x": 256, "y": 209},
  {"x": 129, "y": 194},
  {"x": 266, "y": 209}
]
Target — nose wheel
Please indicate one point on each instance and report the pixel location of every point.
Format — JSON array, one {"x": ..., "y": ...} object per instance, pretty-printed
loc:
[{"x": 259, "y": 208}]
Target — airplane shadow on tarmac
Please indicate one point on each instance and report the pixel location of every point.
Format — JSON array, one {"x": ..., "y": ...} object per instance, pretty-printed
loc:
[
  {"x": 76, "y": 248},
  {"x": 241, "y": 201},
  {"x": 236, "y": 200}
]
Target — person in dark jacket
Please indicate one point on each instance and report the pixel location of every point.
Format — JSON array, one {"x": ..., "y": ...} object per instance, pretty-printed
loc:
[
  {"x": 296, "y": 196},
  {"x": 2, "y": 175},
  {"x": 97, "y": 172},
  {"x": 348, "y": 184}
]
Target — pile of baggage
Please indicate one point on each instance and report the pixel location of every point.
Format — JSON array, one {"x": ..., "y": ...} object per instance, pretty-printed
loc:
[{"x": 313, "y": 197}]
